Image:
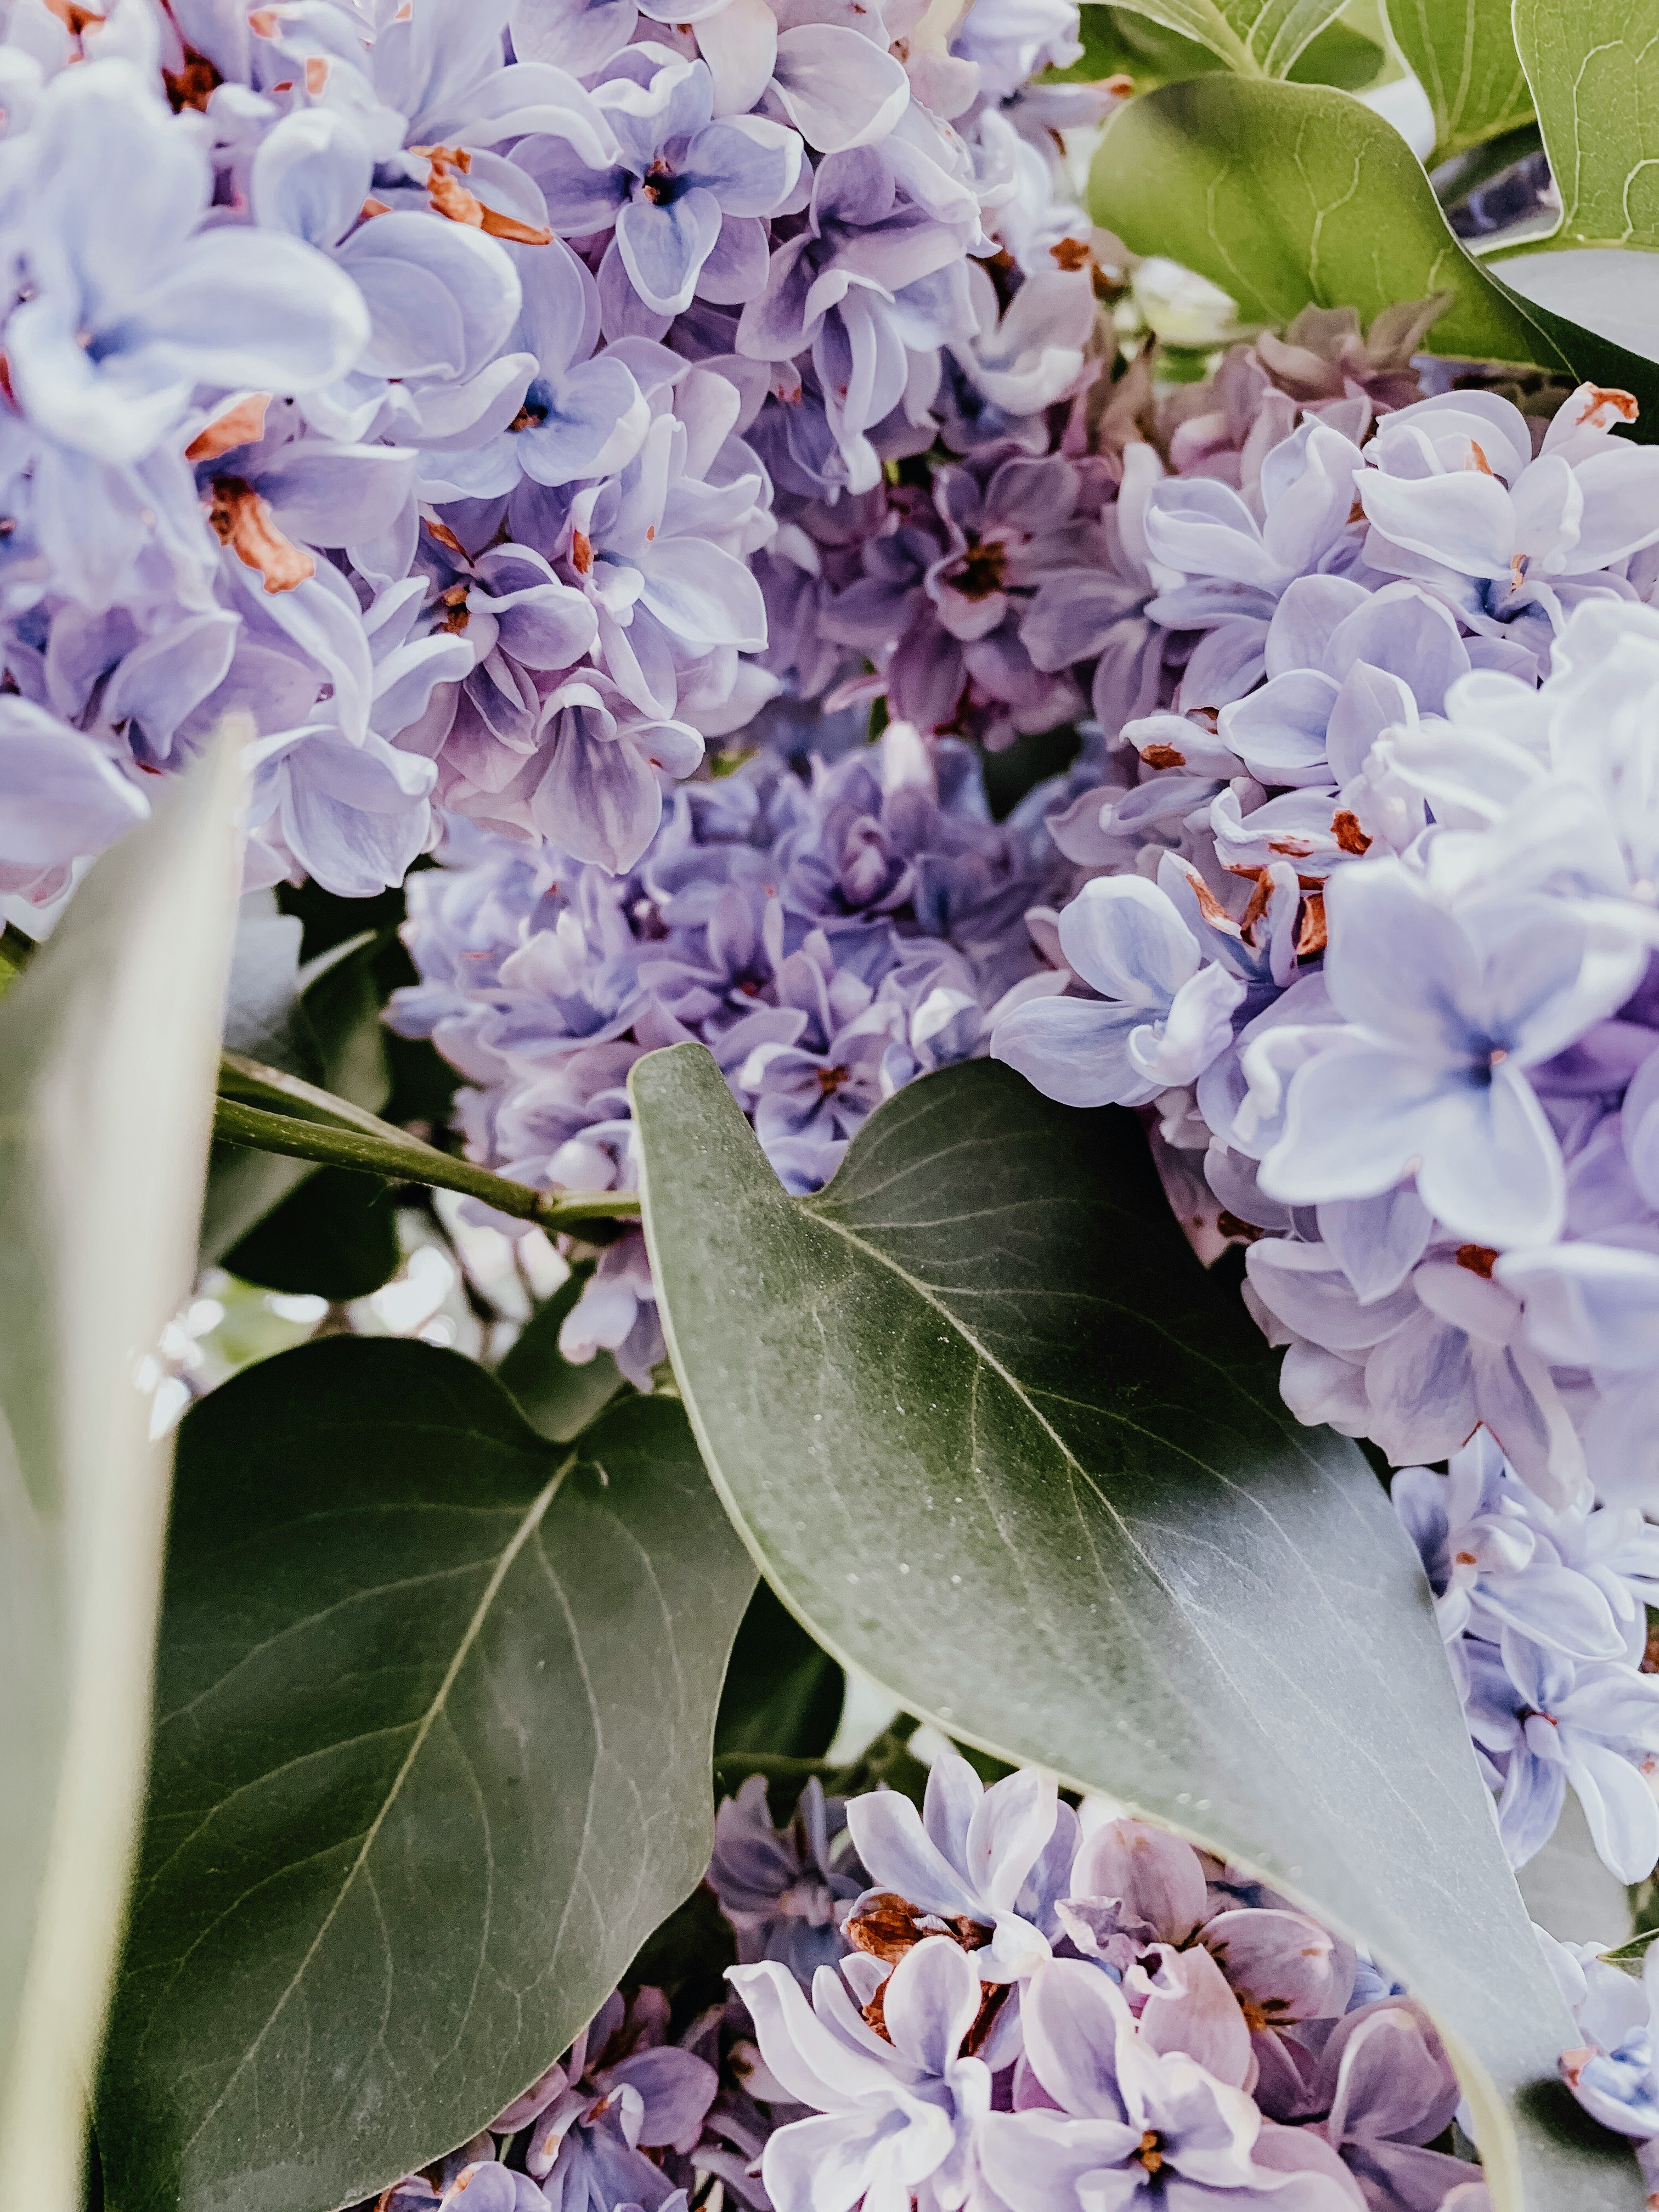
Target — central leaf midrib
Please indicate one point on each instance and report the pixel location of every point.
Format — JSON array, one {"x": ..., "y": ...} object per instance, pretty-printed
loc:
[{"x": 469, "y": 1638}]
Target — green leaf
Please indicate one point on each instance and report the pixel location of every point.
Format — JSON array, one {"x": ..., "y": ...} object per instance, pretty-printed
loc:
[
  {"x": 335, "y": 1237},
  {"x": 1258, "y": 38},
  {"x": 1633, "y": 1956},
  {"x": 996, "y": 1438},
  {"x": 783, "y": 1692},
  {"x": 1286, "y": 194},
  {"x": 557, "y": 1396},
  {"x": 1594, "y": 73},
  {"x": 107, "y": 1043},
  {"x": 435, "y": 1705},
  {"x": 1119, "y": 41},
  {"x": 1463, "y": 54}
]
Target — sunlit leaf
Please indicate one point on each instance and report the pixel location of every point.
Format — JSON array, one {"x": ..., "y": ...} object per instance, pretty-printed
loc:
[
  {"x": 1594, "y": 73},
  {"x": 1289, "y": 194},
  {"x": 1463, "y": 54}
]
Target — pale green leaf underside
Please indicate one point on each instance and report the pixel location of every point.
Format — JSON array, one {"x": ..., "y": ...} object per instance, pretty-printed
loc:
[
  {"x": 1463, "y": 53},
  {"x": 1258, "y": 38},
  {"x": 434, "y": 1710},
  {"x": 994, "y": 1436},
  {"x": 1595, "y": 71},
  {"x": 108, "y": 1044}
]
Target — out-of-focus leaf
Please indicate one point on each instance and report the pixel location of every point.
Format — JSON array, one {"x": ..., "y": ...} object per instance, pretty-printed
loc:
[
  {"x": 1463, "y": 52},
  {"x": 107, "y": 1045},
  {"x": 996, "y": 1437},
  {"x": 434, "y": 1709},
  {"x": 1290, "y": 194},
  {"x": 557, "y": 1396},
  {"x": 1119, "y": 41}
]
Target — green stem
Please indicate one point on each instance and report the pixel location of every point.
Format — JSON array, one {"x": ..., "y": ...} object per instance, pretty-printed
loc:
[{"x": 381, "y": 1149}]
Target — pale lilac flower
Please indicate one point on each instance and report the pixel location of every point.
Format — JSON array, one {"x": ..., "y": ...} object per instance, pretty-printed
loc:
[
  {"x": 683, "y": 193},
  {"x": 1445, "y": 1012},
  {"x": 896, "y": 2115},
  {"x": 1162, "y": 1015},
  {"x": 62, "y": 795},
  {"x": 106, "y": 351},
  {"x": 999, "y": 1857},
  {"x": 1545, "y": 1721},
  {"x": 1492, "y": 1566},
  {"x": 1124, "y": 2116},
  {"x": 1455, "y": 498},
  {"x": 786, "y": 1890},
  {"x": 1611, "y": 2072},
  {"x": 1387, "y": 2089},
  {"x": 621, "y": 2090}
]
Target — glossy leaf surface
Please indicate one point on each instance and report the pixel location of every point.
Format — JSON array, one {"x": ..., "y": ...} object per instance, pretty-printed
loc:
[
  {"x": 107, "y": 1045},
  {"x": 435, "y": 1702},
  {"x": 998, "y": 1440}
]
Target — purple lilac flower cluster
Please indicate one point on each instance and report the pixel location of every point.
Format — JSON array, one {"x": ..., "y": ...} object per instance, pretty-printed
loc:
[
  {"x": 1544, "y": 1611},
  {"x": 1614, "y": 2072},
  {"x": 409, "y": 378},
  {"x": 1373, "y": 940},
  {"x": 982, "y": 2005},
  {"x": 827, "y": 940}
]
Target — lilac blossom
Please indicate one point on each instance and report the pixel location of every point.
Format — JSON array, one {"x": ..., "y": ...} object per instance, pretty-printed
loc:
[
  {"x": 622, "y": 2090},
  {"x": 996, "y": 1858},
  {"x": 1456, "y": 498},
  {"x": 894, "y": 2113},
  {"x": 684, "y": 193},
  {"x": 1611, "y": 2072},
  {"x": 1120, "y": 2112},
  {"x": 786, "y": 1890},
  {"x": 828, "y": 938},
  {"x": 1162, "y": 1015}
]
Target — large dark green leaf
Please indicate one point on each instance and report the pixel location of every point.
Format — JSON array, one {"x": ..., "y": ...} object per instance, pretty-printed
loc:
[
  {"x": 996, "y": 1437},
  {"x": 107, "y": 1043},
  {"x": 435, "y": 1708},
  {"x": 1285, "y": 194},
  {"x": 1463, "y": 53}
]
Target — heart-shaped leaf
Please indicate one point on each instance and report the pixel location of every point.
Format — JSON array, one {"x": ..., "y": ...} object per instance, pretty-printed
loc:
[
  {"x": 434, "y": 1710},
  {"x": 1463, "y": 54},
  {"x": 995, "y": 1437},
  {"x": 1288, "y": 194},
  {"x": 108, "y": 1045}
]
